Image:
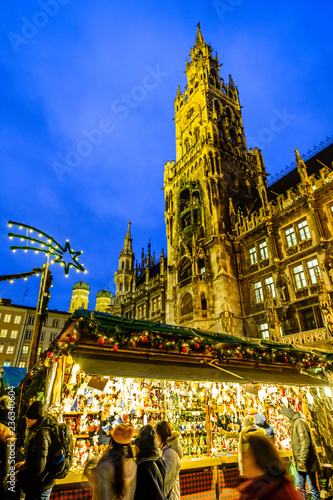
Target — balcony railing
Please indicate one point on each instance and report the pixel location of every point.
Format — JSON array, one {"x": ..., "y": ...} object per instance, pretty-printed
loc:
[{"x": 308, "y": 337}]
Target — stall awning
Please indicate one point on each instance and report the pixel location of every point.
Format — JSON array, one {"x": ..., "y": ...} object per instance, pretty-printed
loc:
[
  {"x": 162, "y": 369},
  {"x": 12, "y": 376}
]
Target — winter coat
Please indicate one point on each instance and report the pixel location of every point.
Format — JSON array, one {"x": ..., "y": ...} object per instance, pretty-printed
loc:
[
  {"x": 150, "y": 479},
  {"x": 34, "y": 478},
  {"x": 267, "y": 488},
  {"x": 303, "y": 446},
  {"x": 172, "y": 452},
  {"x": 102, "y": 479}
]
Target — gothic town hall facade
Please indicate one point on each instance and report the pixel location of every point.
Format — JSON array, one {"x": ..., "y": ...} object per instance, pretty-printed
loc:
[{"x": 242, "y": 258}]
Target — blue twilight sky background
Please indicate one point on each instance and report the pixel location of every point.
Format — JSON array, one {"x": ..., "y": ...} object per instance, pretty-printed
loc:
[{"x": 66, "y": 64}]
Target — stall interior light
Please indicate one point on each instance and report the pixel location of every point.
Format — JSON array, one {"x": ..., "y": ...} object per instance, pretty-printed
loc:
[{"x": 328, "y": 391}]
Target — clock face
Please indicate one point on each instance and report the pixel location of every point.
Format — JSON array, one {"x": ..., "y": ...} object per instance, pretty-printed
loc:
[{"x": 190, "y": 113}]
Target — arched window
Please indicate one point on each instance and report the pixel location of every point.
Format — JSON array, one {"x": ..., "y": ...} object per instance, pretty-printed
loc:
[
  {"x": 186, "y": 305},
  {"x": 196, "y": 85},
  {"x": 123, "y": 265},
  {"x": 228, "y": 112},
  {"x": 240, "y": 215},
  {"x": 217, "y": 106},
  {"x": 185, "y": 270},
  {"x": 203, "y": 302},
  {"x": 201, "y": 266}
]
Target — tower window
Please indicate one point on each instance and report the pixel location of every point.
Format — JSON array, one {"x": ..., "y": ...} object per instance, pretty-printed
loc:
[
  {"x": 123, "y": 265},
  {"x": 264, "y": 330},
  {"x": 121, "y": 285},
  {"x": 203, "y": 302},
  {"x": 185, "y": 269},
  {"x": 201, "y": 266}
]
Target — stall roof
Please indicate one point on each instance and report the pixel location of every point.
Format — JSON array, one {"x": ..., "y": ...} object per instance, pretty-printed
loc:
[{"x": 107, "y": 365}]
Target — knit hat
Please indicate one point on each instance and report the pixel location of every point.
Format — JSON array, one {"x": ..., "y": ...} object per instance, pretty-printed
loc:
[
  {"x": 35, "y": 410},
  {"x": 288, "y": 412},
  {"x": 146, "y": 438},
  {"x": 122, "y": 434},
  {"x": 248, "y": 421}
]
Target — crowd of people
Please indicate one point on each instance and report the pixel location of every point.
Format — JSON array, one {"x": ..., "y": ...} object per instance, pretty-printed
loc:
[{"x": 146, "y": 466}]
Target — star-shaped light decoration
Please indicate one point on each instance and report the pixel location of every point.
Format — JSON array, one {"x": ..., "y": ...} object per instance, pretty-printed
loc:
[{"x": 45, "y": 243}]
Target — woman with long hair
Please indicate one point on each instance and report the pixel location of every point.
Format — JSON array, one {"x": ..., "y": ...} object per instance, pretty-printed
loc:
[
  {"x": 264, "y": 473},
  {"x": 172, "y": 452},
  {"x": 114, "y": 477}
]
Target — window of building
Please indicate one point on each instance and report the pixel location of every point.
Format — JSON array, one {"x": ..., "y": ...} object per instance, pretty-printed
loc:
[
  {"x": 314, "y": 272},
  {"x": 299, "y": 276},
  {"x": 263, "y": 252},
  {"x": 121, "y": 287},
  {"x": 186, "y": 305},
  {"x": 10, "y": 349},
  {"x": 253, "y": 256},
  {"x": 7, "y": 318},
  {"x": 258, "y": 295},
  {"x": 6, "y": 363},
  {"x": 203, "y": 302},
  {"x": 39, "y": 350},
  {"x": 201, "y": 266},
  {"x": 153, "y": 304},
  {"x": 290, "y": 237},
  {"x": 264, "y": 330},
  {"x": 25, "y": 349},
  {"x": 31, "y": 320},
  {"x": 52, "y": 336},
  {"x": 14, "y": 334},
  {"x": 269, "y": 286},
  {"x": 17, "y": 320},
  {"x": 123, "y": 265},
  {"x": 55, "y": 323},
  {"x": 303, "y": 230},
  {"x": 44, "y": 322},
  {"x": 311, "y": 318},
  {"x": 3, "y": 333},
  {"x": 42, "y": 336},
  {"x": 28, "y": 334},
  {"x": 2, "y": 346},
  {"x": 22, "y": 364}
]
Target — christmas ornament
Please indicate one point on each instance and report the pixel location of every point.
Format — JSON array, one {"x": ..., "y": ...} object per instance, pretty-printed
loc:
[
  {"x": 50, "y": 354},
  {"x": 71, "y": 339},
  {"x": 101, "y": 341}
]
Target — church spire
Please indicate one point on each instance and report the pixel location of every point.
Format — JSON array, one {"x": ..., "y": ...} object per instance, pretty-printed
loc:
[
  {"x": 199, "y": 39},
  {"x": 127, "y": 248}
]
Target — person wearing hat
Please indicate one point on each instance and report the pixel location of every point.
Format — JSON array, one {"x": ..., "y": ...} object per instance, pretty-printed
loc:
[
  {"x": 114, "y": 476},
  {"x": 151, "y": 466},
  {"x": 249, "y": 428},
  {"x": 32, "y": 476},
  {"x": 105, "y": 423},
  {"x": 304, "y": 452}
]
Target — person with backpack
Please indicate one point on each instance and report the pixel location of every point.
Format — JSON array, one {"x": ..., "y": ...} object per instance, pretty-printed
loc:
[
  {"x": 34, "y": 476},
  {"x": 172, "y": 452},
  {"x": 151, "y": 466}
]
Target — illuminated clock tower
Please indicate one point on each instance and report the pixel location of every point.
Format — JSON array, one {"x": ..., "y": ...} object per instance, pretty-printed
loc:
[{"x": 211, "y": 184}]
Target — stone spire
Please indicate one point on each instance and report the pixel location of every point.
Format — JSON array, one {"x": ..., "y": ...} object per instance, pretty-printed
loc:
[{"x": 127, "y": 248}]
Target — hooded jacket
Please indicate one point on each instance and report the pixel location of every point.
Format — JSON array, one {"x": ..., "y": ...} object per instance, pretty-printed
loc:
[
  {"x": 172, "y": 453},
  {"x": 266, "y": 488},
  {"x": 249, "y": 429},
  {"x": 34, "y": 478},
  {"x": 302, "y": 445},
  {"x": 260, "y": 421},
  {"x": 150, "y": 479}
]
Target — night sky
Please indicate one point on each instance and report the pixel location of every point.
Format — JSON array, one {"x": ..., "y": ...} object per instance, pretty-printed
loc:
[{"x": 69, "y": 68}]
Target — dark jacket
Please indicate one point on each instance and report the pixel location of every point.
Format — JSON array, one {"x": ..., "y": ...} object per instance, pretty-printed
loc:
[
  {"x": 150, "y": 479},
  {"x": 5, "y": 459},
  {"x": 303, "y": 446},
  {"x": 266, "y": 488},
  {"x": 34, "y": 478}
]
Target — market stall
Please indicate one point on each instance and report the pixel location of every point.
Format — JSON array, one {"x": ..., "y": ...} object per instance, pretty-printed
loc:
[{"x": 103, "y": 370}]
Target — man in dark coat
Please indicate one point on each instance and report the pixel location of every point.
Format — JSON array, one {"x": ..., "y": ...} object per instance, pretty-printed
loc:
[
  {"x": 33, "y": 476},
  {"x": 304, "y": 452}
]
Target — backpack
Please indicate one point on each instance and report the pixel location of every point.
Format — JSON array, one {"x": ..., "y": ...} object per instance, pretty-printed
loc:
[{"x": 61, "y": 453}]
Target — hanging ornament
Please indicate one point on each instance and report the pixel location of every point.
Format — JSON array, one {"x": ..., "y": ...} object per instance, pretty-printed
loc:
[
  {"x": 50, "y": 354},
  {"x": 71, "y": 339},
  {"x": 160, "y": 346},
  {"x": 132, "y": 333},
  {"x": 144, "y": 339},
  {"x": 184, "y": 348},
  {"x": 115, "y": 348},
  {"x": 101, "y": 341},
  {"x": 57, "y": 360},
  {"x": 196, "y": 346},
  {"x": 239, "y": 355},
  {"x": 307, "y": 364}
]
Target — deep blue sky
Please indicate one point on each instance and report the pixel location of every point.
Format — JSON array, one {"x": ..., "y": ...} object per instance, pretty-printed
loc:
[{"x": 65, "y": 75}]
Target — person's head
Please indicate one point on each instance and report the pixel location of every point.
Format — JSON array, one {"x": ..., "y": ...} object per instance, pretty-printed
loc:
[
  {"x": 146, "y": 442},
  {"x": 260, "y": 457},
  {"x": 34, "y": 413},
  {"x": 288, "y": 412},
  {"x": 163, "y": 431},
  {"x": 4, "y": 409},
  {"x": 122, "y": 434}
]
